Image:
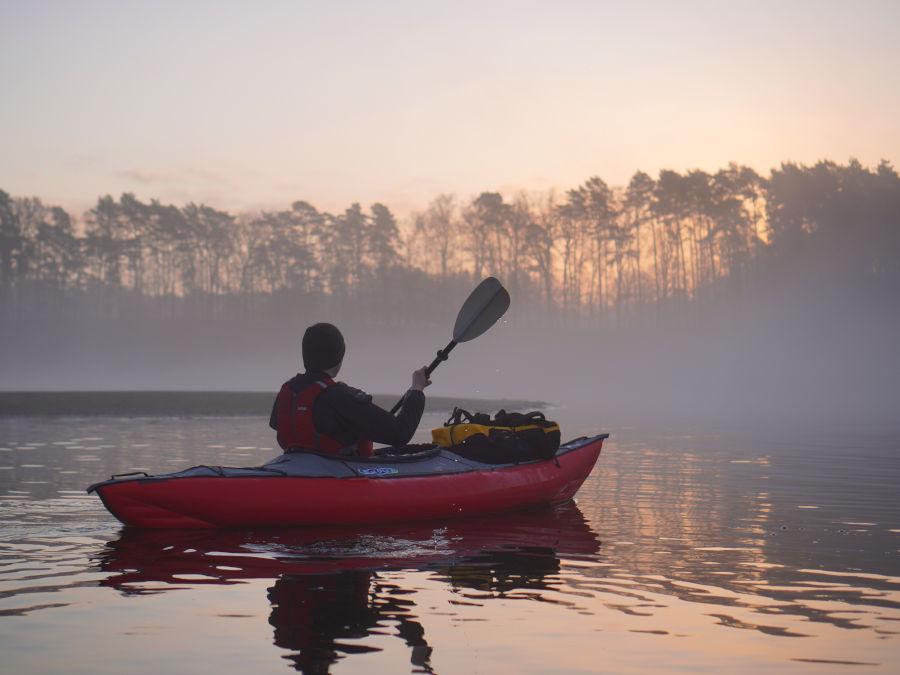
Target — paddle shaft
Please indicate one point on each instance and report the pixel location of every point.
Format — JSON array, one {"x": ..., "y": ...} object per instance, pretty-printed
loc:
[{"x": 442, "y": 355}]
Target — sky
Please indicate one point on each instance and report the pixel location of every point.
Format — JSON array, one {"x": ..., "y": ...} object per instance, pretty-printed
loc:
[{"x": 253, "y": 105}]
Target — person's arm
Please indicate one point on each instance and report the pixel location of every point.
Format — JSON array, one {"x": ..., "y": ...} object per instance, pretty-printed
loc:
[
  {"x": 399, "y": 430},
  {"x": 410, "y": 413},
  {"x": 354, "y": 411}
]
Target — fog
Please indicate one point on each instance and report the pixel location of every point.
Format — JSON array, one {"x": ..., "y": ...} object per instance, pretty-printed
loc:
[{"x": 784, "y": 353}]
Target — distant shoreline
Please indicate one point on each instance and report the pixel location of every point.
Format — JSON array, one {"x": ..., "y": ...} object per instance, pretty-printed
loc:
[{"x": 201, "y": 403}]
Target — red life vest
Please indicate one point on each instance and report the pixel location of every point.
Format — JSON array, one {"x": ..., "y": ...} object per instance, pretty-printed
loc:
[{"x": 295, "y": 422}]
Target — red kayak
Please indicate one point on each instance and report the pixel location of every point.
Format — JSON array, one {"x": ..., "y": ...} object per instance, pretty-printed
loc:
[{"x": 304, "y": 488}]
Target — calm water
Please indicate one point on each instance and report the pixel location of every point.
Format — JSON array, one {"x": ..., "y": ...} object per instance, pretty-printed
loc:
[{"x": 726, "y": 551}]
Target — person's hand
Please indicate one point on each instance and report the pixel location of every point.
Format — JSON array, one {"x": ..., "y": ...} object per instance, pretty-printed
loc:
[{"x": 420, "y": 378}]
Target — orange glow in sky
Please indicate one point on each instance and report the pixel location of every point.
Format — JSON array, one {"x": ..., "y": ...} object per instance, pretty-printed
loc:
[{"x": 255, "y": 105}]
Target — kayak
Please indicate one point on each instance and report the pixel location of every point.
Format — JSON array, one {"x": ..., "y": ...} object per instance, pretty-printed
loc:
[{"x": 310, "y": 489}]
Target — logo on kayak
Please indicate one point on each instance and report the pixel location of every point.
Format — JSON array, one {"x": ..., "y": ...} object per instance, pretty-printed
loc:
[{"x": 379, "y": 471}]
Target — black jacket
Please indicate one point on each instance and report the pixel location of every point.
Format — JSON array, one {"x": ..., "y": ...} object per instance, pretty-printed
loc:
[{"x": 347, "y": 414}]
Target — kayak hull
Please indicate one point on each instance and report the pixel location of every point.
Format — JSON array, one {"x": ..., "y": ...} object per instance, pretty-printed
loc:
[{"x": 371, "y": 492}]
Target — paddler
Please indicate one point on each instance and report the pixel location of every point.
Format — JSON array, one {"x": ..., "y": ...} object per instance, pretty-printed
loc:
[{"x": 313, "y": 412}]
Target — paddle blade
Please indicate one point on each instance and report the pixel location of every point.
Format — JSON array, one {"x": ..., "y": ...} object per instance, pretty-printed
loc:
[{"x": 484, "y": 306}]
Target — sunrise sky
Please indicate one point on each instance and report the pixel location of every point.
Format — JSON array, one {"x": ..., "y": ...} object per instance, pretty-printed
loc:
[{"x": 249, "y": 105}]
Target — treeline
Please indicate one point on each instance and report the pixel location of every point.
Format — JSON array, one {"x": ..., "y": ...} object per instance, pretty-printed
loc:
[{"x": 658, "y": 246}]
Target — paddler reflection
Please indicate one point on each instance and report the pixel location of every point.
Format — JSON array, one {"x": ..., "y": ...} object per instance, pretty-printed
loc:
[
  {"x": 314, "y": 616},
  {"x": 336, "y": 589}
]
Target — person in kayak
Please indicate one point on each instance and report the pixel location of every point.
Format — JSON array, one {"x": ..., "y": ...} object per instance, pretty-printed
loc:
[{"x": 313, "y": 412}]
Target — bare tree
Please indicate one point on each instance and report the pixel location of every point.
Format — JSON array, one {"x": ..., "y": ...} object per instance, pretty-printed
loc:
[{"x": 439, "y": 227}]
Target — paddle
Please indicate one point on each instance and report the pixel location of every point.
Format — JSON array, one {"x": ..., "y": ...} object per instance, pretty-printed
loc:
[{"x": 480, "y": 311}]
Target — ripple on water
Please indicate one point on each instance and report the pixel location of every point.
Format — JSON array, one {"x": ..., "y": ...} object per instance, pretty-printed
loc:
[{"x": 682, "y": 555}]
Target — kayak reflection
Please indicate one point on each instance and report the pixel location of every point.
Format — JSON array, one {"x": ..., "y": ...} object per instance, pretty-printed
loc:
[
  {"x": 327, "y": 596},
  {"x": 177, "y": 557}
]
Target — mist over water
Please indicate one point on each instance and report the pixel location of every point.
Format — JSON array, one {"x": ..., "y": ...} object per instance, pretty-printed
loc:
[{"x": 762, "y": 360}]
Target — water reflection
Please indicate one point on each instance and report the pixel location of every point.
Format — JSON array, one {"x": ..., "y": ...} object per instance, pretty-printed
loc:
[
  {"x": 314, "y": 615},
  {"x": 763, "y": 553},
  {"x": 781, "y": 552},
  {"x": 330, "y": 593}
]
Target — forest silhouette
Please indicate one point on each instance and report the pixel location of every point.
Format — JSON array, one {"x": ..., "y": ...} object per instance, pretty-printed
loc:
[{"x": 808, "y": 256}]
